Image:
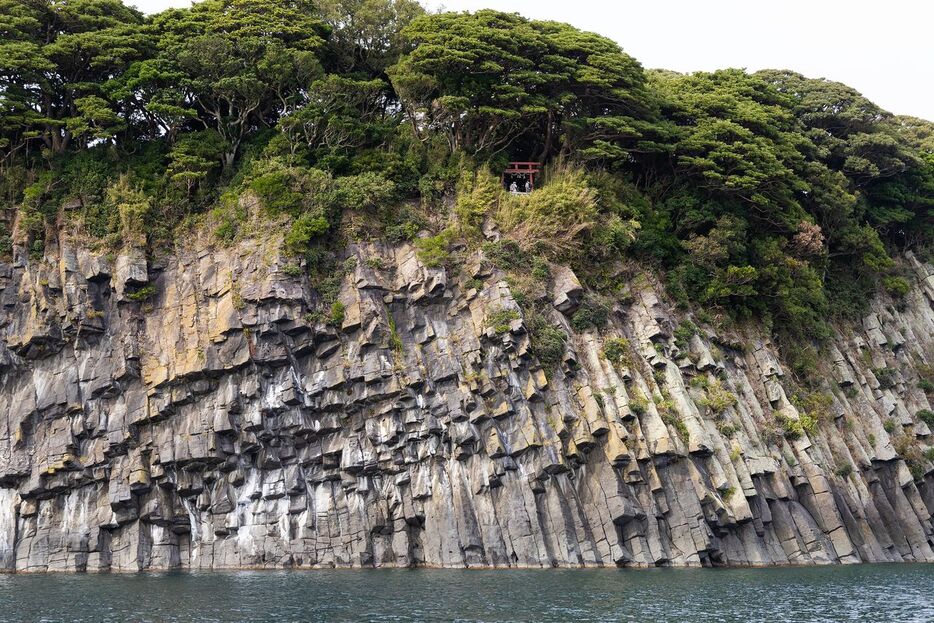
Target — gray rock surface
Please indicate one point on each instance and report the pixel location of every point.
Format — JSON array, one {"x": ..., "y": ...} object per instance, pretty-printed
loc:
[{"x": 219, "y": 424}]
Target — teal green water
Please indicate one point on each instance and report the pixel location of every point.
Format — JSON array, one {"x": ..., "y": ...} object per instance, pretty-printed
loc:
[{"x": 857, "y": 593}]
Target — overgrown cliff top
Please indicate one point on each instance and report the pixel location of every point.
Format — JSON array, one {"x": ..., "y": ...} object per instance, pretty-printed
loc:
[{"x": 769, "y": 195}]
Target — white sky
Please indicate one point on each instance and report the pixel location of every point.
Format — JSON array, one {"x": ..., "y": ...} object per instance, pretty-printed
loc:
[{"x": 883, "y": 49}]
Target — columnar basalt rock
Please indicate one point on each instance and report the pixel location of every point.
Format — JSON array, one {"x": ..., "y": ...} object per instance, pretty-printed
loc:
[{"x": 189, "y": 411}]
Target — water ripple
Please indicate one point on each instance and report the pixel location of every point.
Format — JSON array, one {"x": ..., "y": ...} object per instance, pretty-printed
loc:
[{"x": 869, "y": 593}]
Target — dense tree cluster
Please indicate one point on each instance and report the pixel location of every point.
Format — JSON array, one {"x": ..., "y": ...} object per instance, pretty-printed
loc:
[{"x": 769, "y": 193}]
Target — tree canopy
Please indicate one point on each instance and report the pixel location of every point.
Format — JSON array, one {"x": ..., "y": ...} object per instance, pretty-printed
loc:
[{"x": 484, "y": 80}]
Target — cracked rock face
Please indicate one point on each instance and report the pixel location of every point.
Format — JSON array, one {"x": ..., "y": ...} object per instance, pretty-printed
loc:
[{"x": 219, "y": 424}]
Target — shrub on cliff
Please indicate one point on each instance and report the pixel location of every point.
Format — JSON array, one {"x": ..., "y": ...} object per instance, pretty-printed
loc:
[{"x": 553, "y": 219}]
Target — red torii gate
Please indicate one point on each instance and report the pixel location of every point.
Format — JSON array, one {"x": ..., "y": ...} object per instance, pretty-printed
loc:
[{"x": 525, "y": 169}]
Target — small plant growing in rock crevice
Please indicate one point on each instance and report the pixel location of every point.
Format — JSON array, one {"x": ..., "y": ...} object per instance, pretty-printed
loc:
[
  {"x": 236, "y": 299},
  {"x": 144, "y": 293},
  {"x": 338, "y": 313},
  {"x": 844, "y": 470},
  {"x": 718, "y": 398},
  {"x": 395, "y": 340},
  {"x": 293, "y": 270},
  {"x": 726, "y": 429},
  {"x": 500, "y": 319},
  {"x": 547, "y": 341},
  {"x": 908, "y": 449},
  {"x": 434, "y": 251},
  {"x": 885, "y": 376},
  {"x": 666, "y": 409},
  {"x": 616, "y": 351},
  {"x": 638, "y": 403},
  {"x": 814, "y": 406},
  {"x": 796, "y": 428},
  {"x": 926, "y": 381},
  {"x": 683, "y": 334},
  {"x": 592, "y": 314},
  {"x": 926, "y": 416}
]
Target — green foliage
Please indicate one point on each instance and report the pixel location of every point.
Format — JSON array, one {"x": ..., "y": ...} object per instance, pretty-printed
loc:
[
  {"x": 889, "y": 425},
  {"x": 795, "y": 428},
  {"x": 364, "y": 192},
  {"x": 886, "y": 376},
  {"x": 338, "y": 313},
  {"x": 638, "y": 403},
  {"x": 143, "y": 293},
  {"x": 243, "y": 61},
  {"x": 193, "y": 157},
  {"x": 485, "y": 79},
  {"x": 926, "y": 416},
  {"x": 907, "y": 448},
  {"x": 729, "y": 430},
  {"x": 555, "y": 218},
  {"x": 592, "y": 314},
  {"x": 803, "y": 359},
  {"x": 434, "y": 251},
  {"x": 133, "y": 210},
  {"x": 365, "y": 34},
  {"x": 766, "y": 195},
  {"x": 500, "y": 319},
  {"x": 228, "y": 216},
  {"x": 547, "y": 341},
  {"x": 814, "y": 405},
  {"x": 896, "y": 286},
  {"x": 303, "y": 231},
  {"x": 683, "y": 334},
  {"x": 477, "y": 194},
  {"x": 541, "y": 271},
  {"x": 404, "y": 231},
  {"x": 281, "y": 188},
  {"x": 666, "y": 409},
  {"x": 342, "y": 116},
  {"x": 759, "y": 209},
  {"x": 57, "y": 62},
  {"x": 844, "y": 470},
  {"x": 293, "y": 270},
  {"x": 718, "y": 399},
  {"x": 616, "y": 350},
  {"x": 505, "y": 254},
  {"x": 395, "y": 340}
]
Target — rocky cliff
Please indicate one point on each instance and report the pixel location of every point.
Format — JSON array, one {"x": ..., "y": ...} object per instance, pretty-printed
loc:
[{"x": 189, "y": 411}]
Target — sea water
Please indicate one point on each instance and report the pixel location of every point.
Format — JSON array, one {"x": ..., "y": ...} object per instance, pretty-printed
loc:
[{"x": 851, "y": 593}]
